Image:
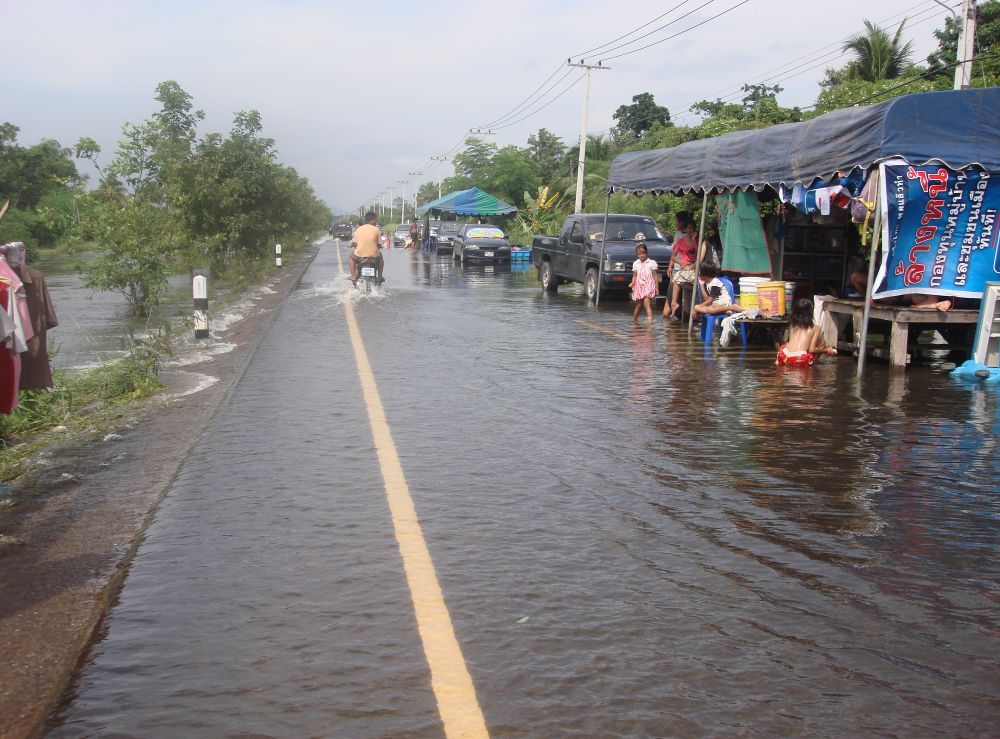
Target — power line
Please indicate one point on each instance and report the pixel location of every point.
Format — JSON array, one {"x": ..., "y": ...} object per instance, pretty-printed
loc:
[
  {"x": 839, "y": 49},
  {"x": 782, "y": 75},
  {"x": 584, "y": 54},
  {"x": 655, "y": 30},
  {"x": 679, "y": 33}
]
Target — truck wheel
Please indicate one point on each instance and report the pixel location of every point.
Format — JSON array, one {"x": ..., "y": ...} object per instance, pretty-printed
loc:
[
  {"x": 548, "y": 277},
  {"x": 590, "y": 284}
]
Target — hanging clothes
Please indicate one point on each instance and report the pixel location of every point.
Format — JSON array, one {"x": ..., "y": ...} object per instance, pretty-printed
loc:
[
  {"x": 26, "y": 333},
  {"x": 744, "y": 247},
  {"x": 36, "y": 372},
  {"x": 10, "y": 359}
]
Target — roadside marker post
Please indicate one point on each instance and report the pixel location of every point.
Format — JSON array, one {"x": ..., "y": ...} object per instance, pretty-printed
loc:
[
  {"x": 200, "y": 290},
  {"x": 277, "y": 255}
]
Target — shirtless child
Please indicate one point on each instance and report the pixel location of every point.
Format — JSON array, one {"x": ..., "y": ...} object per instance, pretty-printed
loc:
[{"x": 804, "y": 341}]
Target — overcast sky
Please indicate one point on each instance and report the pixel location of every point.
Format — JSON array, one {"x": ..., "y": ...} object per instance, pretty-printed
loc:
[{"x": 357, "y": 95}]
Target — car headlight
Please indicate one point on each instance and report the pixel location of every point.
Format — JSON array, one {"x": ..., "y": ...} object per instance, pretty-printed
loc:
[{"x": 470, "y": 246}]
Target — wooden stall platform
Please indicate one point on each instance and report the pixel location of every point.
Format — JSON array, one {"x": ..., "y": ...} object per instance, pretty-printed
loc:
[{"x": 834, "y": 313}]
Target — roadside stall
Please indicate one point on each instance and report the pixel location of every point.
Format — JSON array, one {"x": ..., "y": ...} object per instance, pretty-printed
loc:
[
  {"x": 933, "y": 204},
  {"x": 471, "y": 202}
]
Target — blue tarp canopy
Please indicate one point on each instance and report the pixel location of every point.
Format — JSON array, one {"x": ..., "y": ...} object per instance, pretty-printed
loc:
[
  {"x": 957, "y": 128},
  {"x": 471, "y": 202}
]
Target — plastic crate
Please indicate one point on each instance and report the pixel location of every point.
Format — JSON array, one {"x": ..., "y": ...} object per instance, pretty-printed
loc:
[{"x": 520, "y": 255}]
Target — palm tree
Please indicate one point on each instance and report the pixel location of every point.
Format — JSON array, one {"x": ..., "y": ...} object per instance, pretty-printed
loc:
[{"x": 877, "y": 56}]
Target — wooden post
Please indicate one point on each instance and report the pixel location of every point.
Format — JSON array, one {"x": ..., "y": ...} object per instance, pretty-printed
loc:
[
  {"x": 604, "y": 240},
  {"x": 697, "y": 262},
  {"x": 876, "y": 240}
]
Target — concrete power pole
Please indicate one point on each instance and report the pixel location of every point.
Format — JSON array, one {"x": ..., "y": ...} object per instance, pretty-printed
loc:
[
  {"x": 966, "y": 45},
  {"x": 440, "y": 160},
  {"x": 583, "y": 129}
]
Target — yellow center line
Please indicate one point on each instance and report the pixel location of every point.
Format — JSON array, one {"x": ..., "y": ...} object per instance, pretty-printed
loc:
[
  {"x": 603, "y": 330},
  {"x": 450, "y": 679}
]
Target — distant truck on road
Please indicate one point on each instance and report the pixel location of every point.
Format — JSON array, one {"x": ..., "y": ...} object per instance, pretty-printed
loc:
[{"x": 575, "y": 255}]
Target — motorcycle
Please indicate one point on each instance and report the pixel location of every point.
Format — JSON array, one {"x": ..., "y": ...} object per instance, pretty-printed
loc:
[{"x": 368, "y": 276}]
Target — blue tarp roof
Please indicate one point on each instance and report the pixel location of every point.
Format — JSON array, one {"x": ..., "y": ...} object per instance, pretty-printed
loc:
[
  {"x": 471, "y": 202},
  {"x": 957, "y": 128}
]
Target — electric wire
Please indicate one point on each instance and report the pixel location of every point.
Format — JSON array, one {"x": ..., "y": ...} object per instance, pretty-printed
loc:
[{"x": 584, "y": 54}]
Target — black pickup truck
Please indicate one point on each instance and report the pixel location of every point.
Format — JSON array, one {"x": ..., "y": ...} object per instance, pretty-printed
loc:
[{"x": 575, "y": 255}]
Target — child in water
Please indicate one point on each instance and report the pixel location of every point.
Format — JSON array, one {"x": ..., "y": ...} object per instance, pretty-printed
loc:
[
  {"x": 644, "y": 282},
  {"x": 804, "y": 341}
]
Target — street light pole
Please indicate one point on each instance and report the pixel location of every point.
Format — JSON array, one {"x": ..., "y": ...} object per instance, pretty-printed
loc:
[
  {"x": 402, "y": 214},
  {"x": 583, "y": 129},
  {"x": 440, "y": 160}
]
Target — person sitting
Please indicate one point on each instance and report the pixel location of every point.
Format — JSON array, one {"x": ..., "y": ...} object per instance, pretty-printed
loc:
[
  {"x": 716, "y": 296},
  {"x": 804, "y": 340},
  {"x": 367, "y": 245}
]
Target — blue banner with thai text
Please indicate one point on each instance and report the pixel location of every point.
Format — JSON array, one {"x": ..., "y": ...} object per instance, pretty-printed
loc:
[{"x": 939, "y": 230}]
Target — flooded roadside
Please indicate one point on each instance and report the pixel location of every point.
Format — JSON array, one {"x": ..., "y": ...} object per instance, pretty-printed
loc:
[{"x": 636, "y": 534}]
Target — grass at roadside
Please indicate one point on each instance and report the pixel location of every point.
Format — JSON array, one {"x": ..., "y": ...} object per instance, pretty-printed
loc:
[{"x": 80, "y": 400}]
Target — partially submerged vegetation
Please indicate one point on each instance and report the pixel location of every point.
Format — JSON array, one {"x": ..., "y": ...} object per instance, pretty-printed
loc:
[{"x": 81, "y": 401}]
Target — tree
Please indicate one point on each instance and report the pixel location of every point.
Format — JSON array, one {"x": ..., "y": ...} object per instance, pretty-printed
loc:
[
  {"x": 473, "y": 162},
  {"x": 549, "y": 152},
  {"x": 635, "y": 119},
  {"x": 513, "y": 171},
  {"x": 27, "y": 174},
  {"x": 877, "y": 55}
]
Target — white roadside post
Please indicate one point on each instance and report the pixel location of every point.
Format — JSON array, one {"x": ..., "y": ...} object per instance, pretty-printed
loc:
[
  {"x": 277, "y": 255},
  {"x": 200, "y": 289}
]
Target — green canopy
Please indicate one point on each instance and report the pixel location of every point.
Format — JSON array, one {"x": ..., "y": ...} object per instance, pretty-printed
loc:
[{"x": 471, "y": 202}]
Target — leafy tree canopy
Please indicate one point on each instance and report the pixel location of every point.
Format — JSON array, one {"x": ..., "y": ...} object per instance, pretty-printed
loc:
[
  {"x": 635, "y": 119},
  {"x": 549, "y": 151}
]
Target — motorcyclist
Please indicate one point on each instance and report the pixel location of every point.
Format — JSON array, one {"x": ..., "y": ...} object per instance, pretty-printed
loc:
[{"x": 367, "y": 244}]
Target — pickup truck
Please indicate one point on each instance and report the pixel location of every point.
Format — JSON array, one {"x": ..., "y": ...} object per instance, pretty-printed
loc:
[{"x": 575, "y": 255}]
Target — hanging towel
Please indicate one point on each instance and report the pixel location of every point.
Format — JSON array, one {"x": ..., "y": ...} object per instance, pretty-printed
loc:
[{"x": 744, "y": 248}]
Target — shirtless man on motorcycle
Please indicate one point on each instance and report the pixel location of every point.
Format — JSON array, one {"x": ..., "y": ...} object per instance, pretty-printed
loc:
[{"x": 367, "y": 244}]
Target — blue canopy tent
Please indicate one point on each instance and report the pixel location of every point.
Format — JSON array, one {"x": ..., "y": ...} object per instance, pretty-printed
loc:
[
  {"x": 471, "y": 202},
  {"x": 958, "y": 129}
]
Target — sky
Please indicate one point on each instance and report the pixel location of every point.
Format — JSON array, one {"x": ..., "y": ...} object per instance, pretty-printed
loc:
[{"x": 359, "y": 95}]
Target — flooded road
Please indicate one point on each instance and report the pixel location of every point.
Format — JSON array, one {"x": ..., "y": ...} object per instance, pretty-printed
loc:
[{"x": 634, "y": 535}]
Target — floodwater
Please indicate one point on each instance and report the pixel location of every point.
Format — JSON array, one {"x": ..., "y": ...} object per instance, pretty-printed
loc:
[
  {"x": 92, "y": 323},
  {"x": 635, "y": 535}
]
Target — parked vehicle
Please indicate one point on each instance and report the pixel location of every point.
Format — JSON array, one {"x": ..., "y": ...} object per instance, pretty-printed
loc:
[
  {"x": 575, "y": 255},
  {"x": 342, "y": 230},
  {"x": 446, "y": 232},
  {"x": 401, "y": 234},
  {"x": 480, "y": 242}
]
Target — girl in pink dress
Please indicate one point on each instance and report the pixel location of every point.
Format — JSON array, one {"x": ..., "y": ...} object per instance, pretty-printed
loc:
[{"x": 644, "y": 282}]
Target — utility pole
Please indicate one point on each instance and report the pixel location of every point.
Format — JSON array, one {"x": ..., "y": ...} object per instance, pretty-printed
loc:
[
  {"x": 416, "y": 186},
  {"x": 402, "y": 214},
  {"x": 392, "y": 204},
  {"x": 583, "y": 128},
  {"x": 440, "y": 160},
  {"x": 966, "y": 45}
]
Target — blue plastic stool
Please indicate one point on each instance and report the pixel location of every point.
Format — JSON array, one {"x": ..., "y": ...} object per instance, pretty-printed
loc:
[{"x": 709, "y": 320}]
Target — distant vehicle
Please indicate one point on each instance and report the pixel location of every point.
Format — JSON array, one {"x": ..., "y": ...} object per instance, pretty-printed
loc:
[
  {"x": 401, "y": 234},
  {"x": 480, "y": 242},
  {"x": 342, "y": 230},
  {"x": 446, "y": 232},
  {"x": 575, "y": 255}
]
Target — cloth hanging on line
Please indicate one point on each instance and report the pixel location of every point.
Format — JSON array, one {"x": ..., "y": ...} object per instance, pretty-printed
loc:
[
  {"x": 36, "y": 372},
  {"x": 744, "y": 247},
  {"x": 10, "y": 360}
]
